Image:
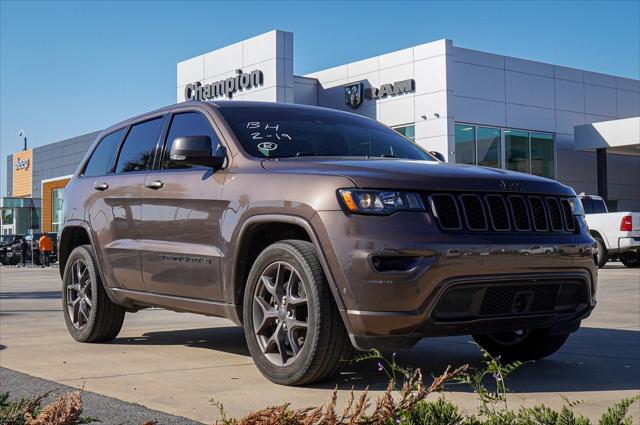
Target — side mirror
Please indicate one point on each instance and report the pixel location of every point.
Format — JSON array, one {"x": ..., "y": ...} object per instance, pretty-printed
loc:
[
  {"x": 195, "y": 150},
  {"x": 438, "y": 155}
]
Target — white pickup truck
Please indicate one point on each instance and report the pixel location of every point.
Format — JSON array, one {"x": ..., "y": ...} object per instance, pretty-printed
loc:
[{"x": 617, "y": 234}]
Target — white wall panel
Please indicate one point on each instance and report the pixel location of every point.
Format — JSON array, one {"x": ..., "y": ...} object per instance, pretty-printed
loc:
[
  {"x": 223, "y": 60},
  {"x": 533, "y": 90},
  {"x": 599, "y": 79},
  {"x": 477, "y": 81},
  {"x": 262, "y": 47},
  {"x": 530, "y": 117},
  {"x": 600, "y": 100},
  {"x": 528, "y": 66},
  {"x": 627, "y": 84},
  {"x": 429, "y": 50},
  {"x": 190, "y": 70},
  {"x": 364, "y": 66},
  {"x": 479, "y": 111},
  {"x": 478, "y": 58},
  {"x": 430, "y": 74},
  {"x": 571, "y": 74},
  {"x": 628, "y": 103},
  {"x": 430, "y": 104},
  {"x": 396, "y": 58},
  {"x": 569, "y": 95},
  {"x": 396, "y": 112},
  {"x": 566, "y": 121},
  {"x": 332, "y": 74}
]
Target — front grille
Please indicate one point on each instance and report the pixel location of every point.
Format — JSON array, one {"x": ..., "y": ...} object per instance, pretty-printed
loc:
[
  {"x": 510, "y": 299},
  {"x": 502, "y": 213}
]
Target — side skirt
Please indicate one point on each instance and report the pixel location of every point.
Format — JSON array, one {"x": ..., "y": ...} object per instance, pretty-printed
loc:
[{"x": 137, "y": 299}]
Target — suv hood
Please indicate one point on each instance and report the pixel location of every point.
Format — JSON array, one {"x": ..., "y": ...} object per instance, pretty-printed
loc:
[{"x": 402, "y": 174}]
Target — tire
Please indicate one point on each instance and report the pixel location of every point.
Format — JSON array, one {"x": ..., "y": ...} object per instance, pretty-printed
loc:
[
  {"x": 88, "y": 312},
  {"x": 527, "y": 345},
  {"x": 601, "y": 258},
  {"x": 323, "y": 347},
  {"x": 631, "y": 259}
]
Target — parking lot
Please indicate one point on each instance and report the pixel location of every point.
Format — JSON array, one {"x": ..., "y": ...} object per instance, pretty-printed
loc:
[{"x": 177, "y": 363}]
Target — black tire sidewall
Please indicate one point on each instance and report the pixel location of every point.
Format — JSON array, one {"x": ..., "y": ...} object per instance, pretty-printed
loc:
[
  {"x": 601, "y": 259},
  {"x": 537, "y": 344},
  {"x": 83, "y": 253},
  {"x": 630, "y": 259},
  {"x": 290, "y": 374}
]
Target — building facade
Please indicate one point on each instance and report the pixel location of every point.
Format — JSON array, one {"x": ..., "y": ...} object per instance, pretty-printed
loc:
[{"x": 579, "y": 127}]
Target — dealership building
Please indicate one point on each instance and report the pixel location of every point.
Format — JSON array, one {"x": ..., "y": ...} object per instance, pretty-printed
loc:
[{"x": 576, "y": 126}]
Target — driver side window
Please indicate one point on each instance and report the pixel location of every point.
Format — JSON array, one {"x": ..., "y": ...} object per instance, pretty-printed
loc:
[{"x": 188, "y": 124}]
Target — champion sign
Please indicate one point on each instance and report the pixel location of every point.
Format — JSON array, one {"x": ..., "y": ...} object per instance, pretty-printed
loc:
[{"x": 224, "y": 88}]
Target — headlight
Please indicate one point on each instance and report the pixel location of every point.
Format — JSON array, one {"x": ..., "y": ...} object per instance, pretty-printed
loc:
[
  {"x": 576, "y": 206},
  {"x": 379, "y": 202}
]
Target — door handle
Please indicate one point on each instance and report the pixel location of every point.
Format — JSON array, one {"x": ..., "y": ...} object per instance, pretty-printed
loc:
[
  {"x": 154, "y": 185},
  {"x": 101, "y": 186}
]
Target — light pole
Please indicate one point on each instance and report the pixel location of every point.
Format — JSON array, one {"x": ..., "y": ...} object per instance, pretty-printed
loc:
[{"x": 23, "y": 134}]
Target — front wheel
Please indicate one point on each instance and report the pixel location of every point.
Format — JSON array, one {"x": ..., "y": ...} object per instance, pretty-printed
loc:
[
  {"x": 521, "y": 345},
  {"x": 88, "y": 312},
  {"x": 631, "y": 259},
  {"x": 602, "y": 256},
  {"x": 293, "y": 328}
]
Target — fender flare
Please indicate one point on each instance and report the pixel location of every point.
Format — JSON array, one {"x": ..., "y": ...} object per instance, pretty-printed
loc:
[
  {"x": 308, "y": 228},
  {"x": 87, "y": 228}
]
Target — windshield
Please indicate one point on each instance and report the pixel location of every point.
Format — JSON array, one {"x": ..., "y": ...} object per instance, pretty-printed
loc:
[
  {"x": 267, "y": 132},
  {"x": 7, "y": 238}
]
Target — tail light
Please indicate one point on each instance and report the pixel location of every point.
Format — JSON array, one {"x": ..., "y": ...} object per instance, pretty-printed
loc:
[{"x": 626, "y": 224}]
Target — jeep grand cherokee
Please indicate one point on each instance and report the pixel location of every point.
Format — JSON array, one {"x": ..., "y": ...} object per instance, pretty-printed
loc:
[{"x": 317, "y": 231}]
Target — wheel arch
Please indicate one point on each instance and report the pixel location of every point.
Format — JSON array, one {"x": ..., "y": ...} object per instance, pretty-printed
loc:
[
  {"x": 280, "y": 227},
  {"x": 72, "y": 236}
]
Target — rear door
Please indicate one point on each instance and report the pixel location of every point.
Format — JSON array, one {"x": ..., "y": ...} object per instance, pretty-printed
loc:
[
  {"x": 181, "y": 213},
  {"x": 114, "y": 206}
]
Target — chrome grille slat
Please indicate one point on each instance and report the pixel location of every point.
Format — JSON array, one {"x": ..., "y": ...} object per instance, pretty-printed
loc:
[{"x": 502, "y": 212}]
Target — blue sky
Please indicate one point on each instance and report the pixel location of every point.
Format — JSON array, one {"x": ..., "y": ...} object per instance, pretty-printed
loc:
[{"x": 67, "y": 68}]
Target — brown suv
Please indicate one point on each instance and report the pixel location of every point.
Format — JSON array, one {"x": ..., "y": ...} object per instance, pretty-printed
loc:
[{"x": 318, "y": 231}]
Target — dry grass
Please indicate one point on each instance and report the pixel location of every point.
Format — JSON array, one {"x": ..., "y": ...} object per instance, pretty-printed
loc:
[
  {"x": 64, "y": 410},
  {"x": 357, "y": 409}
]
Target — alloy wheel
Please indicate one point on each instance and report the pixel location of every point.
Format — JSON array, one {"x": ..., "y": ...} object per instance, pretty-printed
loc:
[
  {"x": 280, "y": 313},
  {"x": 79, "y": 303}
]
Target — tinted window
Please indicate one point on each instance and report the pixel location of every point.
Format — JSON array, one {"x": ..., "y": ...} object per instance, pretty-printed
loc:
[
  {"x": 599, "y": 207},
  {"x": 188, "y": 124},
  {"x": 587, "y": 205},
  {"x": 277, "y": 132},
  {"x": 139, "y": 146},
  {"x": 516, "y": 145},
  {"x": 102, "y": 158},
  {"x": 465, "y": 147}
]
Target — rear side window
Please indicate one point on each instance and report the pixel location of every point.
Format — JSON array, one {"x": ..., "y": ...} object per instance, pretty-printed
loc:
[
  {"x": 139, "y": 147},
  {"x": 188, "y": 124},
  {"x": 102, "y": 158},
  {"x": 599, "y": 207},
  {"x": 587, "y": 205}
]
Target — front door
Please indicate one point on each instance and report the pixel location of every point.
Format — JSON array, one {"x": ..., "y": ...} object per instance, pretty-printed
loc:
[{"x": 181, "y": 212}]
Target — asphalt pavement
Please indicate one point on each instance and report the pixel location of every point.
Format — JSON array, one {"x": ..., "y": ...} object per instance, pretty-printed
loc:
[{"x": 177, "y": 362}]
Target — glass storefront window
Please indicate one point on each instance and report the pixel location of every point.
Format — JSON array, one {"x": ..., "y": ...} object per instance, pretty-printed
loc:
[
  {"x": 465, "y": 144},
  {"x": 542, "y": 155},
  {"x": 56, "y": 209},
  {"x": 489, "y": 154},
  {"x": 516, "y": 147},
  {"x": 408, "y": 131}
]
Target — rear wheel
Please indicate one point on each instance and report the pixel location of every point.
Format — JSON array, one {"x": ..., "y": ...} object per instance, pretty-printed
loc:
[
  {"x": 293, "y": 328},
  {"x": 521, "y": 345},
  {"x": 601, "y": 257},
  {"x": 631, "y": 259},
  {"x": 88, "y": 312}
]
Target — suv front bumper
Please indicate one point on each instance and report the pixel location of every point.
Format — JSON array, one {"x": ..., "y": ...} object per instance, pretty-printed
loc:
[{"x": 395, "y": 305}]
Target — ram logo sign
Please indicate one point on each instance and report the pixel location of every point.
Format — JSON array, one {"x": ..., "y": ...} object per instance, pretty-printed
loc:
[{"x": 399, "y": 87}]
